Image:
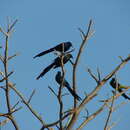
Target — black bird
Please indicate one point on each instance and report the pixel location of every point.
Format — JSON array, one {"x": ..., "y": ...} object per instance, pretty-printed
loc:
[
  {"x": 56, "y": 63},
  {"x": 59, "y": 48},
  {"x": 59, "y": 79},
  {"x": 115, "y": 84}
]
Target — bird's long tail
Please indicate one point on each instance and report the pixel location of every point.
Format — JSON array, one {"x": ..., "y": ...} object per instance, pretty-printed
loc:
[
  {"x": 73, "y": 93},
  {"x": 44, "y": 52},
  {"x": 125, "y": 96},
  {"x": 45, "y": 70}
]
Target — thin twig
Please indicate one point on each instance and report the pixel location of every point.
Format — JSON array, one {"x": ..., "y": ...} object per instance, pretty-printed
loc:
[
  {"x": 1, "y": 58},
  {"x": 99, "y": 75},
  {"x": 60, "y": 89},
  {"x": 91, "y": 117},
  {"x": 6, "y": 75},
  {"x": 92, "y": 94},
  {"x": 32, "y": 94},
  {"x": 109, "y": 114},
  {"x": 26, "y": 103},
  {"x": 10, "y": 57},
  {"x": 11, "y": 27},
  {"x": 86, "y": 37},
  {"x": 1, "y": 30},
  {"x": 111, "y": 107},
  {"x": 82, "y": 33},
  {"x": 15, "y": 105},
  {"x": 93, "y": 76},
  {"x": 56, "y": 122},
  {"x": 52, "y": 91}
]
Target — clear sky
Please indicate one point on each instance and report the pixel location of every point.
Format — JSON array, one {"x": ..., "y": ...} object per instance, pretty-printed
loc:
[{"x": 45, "y": 23}]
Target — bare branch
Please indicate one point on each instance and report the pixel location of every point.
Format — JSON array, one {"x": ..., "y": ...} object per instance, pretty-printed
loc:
[
  {"x": 99, "y": 75},
  {"x": 26, "y": 103},
  {"x": 101, "y": 109},
  {"x": 91, "y": 117},
  {"x": 121, "y": 59},
  {"x": 52, "y": 91},
  {"x": 13, "y": 24},
  {"x": 1, "y": 30},
  {"x": 10, "y": 57},
  {"x": 1, "y": 58},
  {"x": 82, "y": 33},
  {"x": 56, "y": 122},
  {"x": 15, "y": 105},
  {"x": 60, "y": 90},
  {"x": 5, "y": 63},
  {"x": 7, "y": 76},
  {"x": 109, "y": 114},
  {"x": 87, "y": 36},
  {"x": 117, "y": 68},
  {"x": 93, "y": 76},
  {"x": 98, "y": 87},
  {"x": 32, "y": 94}
]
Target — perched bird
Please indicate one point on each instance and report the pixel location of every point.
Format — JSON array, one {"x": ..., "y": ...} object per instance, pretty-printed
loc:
[
  {"x": 119, "y": 87},
  {"x": 56, "y": 63},
  {"x": 59, "y": 79},
  {"x": 64, "y": 46}
]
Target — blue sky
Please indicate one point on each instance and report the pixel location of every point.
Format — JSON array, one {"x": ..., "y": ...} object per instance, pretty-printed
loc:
[{"x": 45, "y": 23}]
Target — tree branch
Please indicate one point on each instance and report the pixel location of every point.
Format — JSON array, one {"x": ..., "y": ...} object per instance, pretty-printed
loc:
[{"x": 86, "y": 37}]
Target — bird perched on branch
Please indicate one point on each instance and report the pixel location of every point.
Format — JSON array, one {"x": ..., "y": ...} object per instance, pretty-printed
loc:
[
  {"x": 119, "y": 87},
  {"x": 59, "y": 79},
  {"x": 62, "y": 47},
  {"x": 56, "y": 63}
]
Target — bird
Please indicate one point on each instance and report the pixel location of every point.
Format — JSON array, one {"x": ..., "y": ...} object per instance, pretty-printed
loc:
[
  {"x": 119, "y": 87},
  {"x": 62, "y": 47},
  {"x": 59, "y": 79},
  {"x": 56, "y": 63}
]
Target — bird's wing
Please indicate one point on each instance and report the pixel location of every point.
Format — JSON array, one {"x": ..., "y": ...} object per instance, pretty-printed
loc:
[{"x": 125, "y": 96}]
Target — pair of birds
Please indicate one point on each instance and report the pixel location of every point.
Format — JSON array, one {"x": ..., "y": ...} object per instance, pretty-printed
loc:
[{"x": 62, "y": 47}]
